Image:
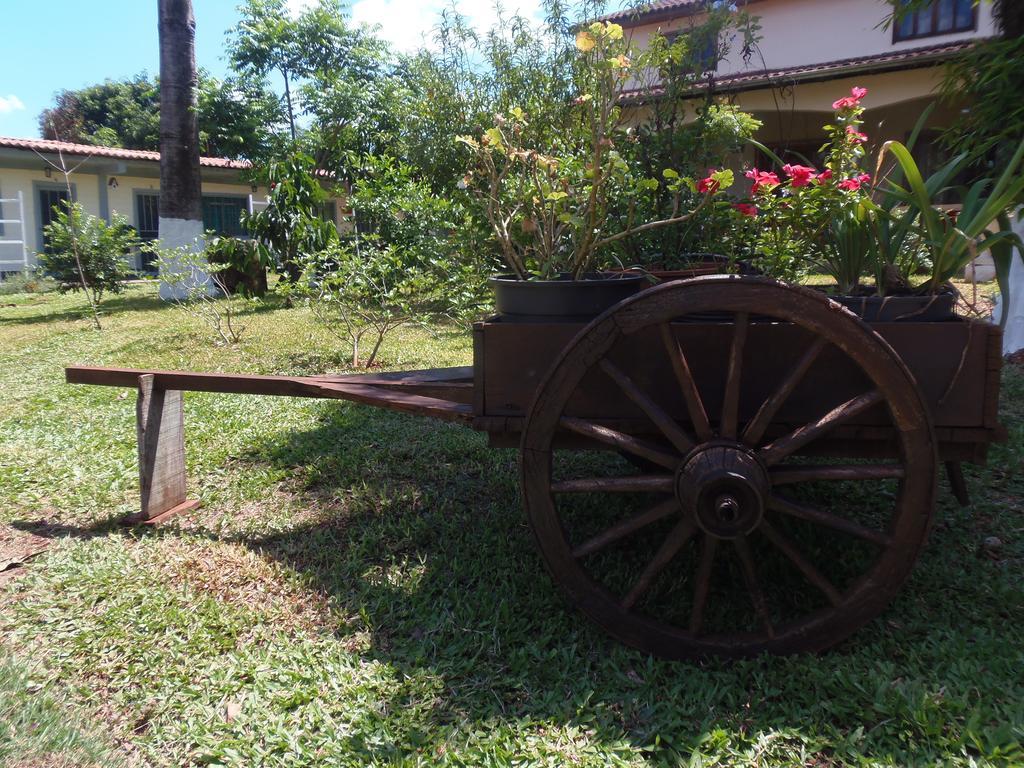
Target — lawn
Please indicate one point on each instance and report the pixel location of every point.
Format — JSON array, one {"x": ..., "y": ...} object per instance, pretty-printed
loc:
[{"x": 360, "y": 588}]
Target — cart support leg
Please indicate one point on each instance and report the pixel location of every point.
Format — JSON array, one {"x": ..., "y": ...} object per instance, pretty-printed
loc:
[
  {"x": 955, "y": 474},
  {"x": 160, "y": 421}
]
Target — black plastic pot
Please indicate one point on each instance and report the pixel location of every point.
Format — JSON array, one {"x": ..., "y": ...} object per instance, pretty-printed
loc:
[
  {"x": 893, "y": 309},
  {"x": 562, "y": 299}
]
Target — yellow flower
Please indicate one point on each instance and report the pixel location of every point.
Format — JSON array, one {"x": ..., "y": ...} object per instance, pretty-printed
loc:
[{"x": 585, "y": 41}]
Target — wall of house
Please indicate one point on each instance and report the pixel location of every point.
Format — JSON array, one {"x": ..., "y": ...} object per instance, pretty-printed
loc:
[
  {"x": 799, "y": 32},
  {"x": 97, "y": 197}
]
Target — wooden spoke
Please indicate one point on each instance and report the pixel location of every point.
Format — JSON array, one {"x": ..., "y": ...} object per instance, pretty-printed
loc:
[
  {"x": 802, "y": 473},
  {"x": 728, "y": 426},
  {"x": 655, "y": 412},
  {"x": 755, "y": 429},
  {"x": 694, "y": 405},
  {"x": 753, "y": 584},
  {"x": 702, "y": 583},
  {"x": 637, "y": 484},
  {"x": 669, "y": 549},
  {"x": 804, "y": 565},
  {"x": 621, "y": 441},
  {"x": 784, "y": 446},
  {"x": 626, "y": 527},
  {"x": 829, "y": 520}
]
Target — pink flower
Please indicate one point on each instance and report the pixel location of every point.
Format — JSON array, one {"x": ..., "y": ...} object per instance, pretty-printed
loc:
[
  {"x": 853, "y": 100},
  {"x": 850, "y": 185},
  {"x": 856, "y": 136},
  {"x": 864, "y": 178},
  {"x": 763, "y": 180},
  {"x": 746, "y": 209},
  {"x": 708, "y": 185},
  {"x": 800, "y": 175},
  {"x": 824, "y": 176}
]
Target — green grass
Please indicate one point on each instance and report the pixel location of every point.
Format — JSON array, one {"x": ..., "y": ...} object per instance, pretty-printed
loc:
[
  {"x": 37, "y": 731},
  {"x": 360, "y": 588}
]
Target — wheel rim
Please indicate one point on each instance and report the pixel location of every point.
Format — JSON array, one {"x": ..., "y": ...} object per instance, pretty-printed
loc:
[{"x": 718, "y": 487}]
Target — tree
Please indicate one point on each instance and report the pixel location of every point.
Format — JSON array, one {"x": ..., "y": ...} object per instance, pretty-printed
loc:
[
  {"x": 181, "y": 219},
  {"x": 113, "y": 113},
  {"x": 236, "y": 117},
  {"x": 267, "y": 40}
]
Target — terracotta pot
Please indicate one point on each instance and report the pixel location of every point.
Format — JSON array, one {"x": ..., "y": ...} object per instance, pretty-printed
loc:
[{"x": 562, "y": 299}]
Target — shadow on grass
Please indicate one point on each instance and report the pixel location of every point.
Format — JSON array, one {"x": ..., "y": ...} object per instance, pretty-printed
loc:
[
  {"x": 419, "y": 531},
  {"x": 415, "y": 527},
  {"x": 133, "y": 301},
  {"x": 108, "y": 305}
]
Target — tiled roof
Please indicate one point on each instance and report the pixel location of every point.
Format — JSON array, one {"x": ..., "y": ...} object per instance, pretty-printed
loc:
[
  {"x": 659, "y": 10},
  {"x": 902, "y": 59},
  {"x": 116, "y": 153}
]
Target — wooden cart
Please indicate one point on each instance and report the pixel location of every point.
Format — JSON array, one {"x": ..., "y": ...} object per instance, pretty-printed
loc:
[{"x": 724, "y": 465}]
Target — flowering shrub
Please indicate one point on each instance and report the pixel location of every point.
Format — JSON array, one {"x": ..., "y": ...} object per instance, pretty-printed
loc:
[
  {"x": 548, "y": 207},
  {"x": 813, "y": 220}
]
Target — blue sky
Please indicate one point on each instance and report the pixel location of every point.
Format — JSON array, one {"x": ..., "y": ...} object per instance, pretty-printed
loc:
[{"x": 49, "y": 46}]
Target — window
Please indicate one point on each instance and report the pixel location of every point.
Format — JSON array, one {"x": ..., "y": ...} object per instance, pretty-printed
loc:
[
  {"x": 223, "y": 214},
  {"x": 51, "y": 200},
  {"x": 938, "y": 17},
  {"x": 147, "y": 215},
  {"x": 147, "y": 226},
  {"x": 328, "y": 211},
  {"x": 704, "y": 48}
]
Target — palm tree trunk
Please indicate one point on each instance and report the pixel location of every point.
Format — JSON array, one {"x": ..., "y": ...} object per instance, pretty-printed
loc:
[{"x": 181, "y": 219}]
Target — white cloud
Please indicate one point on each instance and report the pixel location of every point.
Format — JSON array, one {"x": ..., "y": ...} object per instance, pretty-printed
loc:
[
  {"x": 10, "y": 104},
  {"x": 408, "y": 24}
]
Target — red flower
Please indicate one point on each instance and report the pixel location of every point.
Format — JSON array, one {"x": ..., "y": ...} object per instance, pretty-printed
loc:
[
  {"x": 824, "y": 176},
  {"x": 765, "y": 180},
  {"x": 853, "y": 100},
  {"x": 850, "y": 185},
  {"x": 856, "y": 136},
  {"x": 746, "y": 209},
  {"x": 864, "y": 178},
  {"x": 800, "y": 175},
  {"x": 708, "y": 185}
]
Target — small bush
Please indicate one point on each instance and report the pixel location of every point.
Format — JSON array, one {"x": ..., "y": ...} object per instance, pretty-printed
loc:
[
  {"x": 29, "y": 281},
  {"x": 243, "y": 269},
  {"x": 84, "y": 251}
]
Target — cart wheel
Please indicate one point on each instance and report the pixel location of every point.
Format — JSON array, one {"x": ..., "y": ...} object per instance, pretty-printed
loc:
[{"x": 716, "y": 551}]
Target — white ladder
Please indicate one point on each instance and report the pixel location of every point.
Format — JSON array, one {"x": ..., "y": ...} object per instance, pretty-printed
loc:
[{"x": 14, "y": 265}]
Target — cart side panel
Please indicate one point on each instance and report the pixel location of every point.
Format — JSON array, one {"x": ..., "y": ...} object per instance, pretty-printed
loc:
[{"x": 952, "y": 363}]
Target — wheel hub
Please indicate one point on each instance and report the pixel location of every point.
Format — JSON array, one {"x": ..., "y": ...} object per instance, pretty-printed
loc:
[{"x": 724, "y": 487}]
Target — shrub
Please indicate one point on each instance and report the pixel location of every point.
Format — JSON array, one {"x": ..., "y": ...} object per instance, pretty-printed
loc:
[
  {"x": 365, "y": 290},
  {"x": 28, "y": 281},
  {"x": 201, "y": 291},
  {"x": 84, "y": 251},
  {"x": 243, "y": 269},
  {"x": 290, "y": 228}
]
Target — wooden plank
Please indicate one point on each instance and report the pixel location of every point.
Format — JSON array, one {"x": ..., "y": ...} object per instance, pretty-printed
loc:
[
  {"x": 455, "y": 408},
  {"x": 400, "y": 401},
  {"x": 160, "y": 425}
]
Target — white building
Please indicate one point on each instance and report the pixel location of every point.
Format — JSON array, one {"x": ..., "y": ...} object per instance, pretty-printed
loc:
[
  {"x": 811, "y": 52},
  {"x": 107, "y": 180}
]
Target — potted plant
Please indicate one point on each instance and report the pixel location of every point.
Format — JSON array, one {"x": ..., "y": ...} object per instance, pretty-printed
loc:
[
  {"x": 549, "y": 210},
  {"x": 851, "y": 225},
  {"x": 952, "y": 237}
]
